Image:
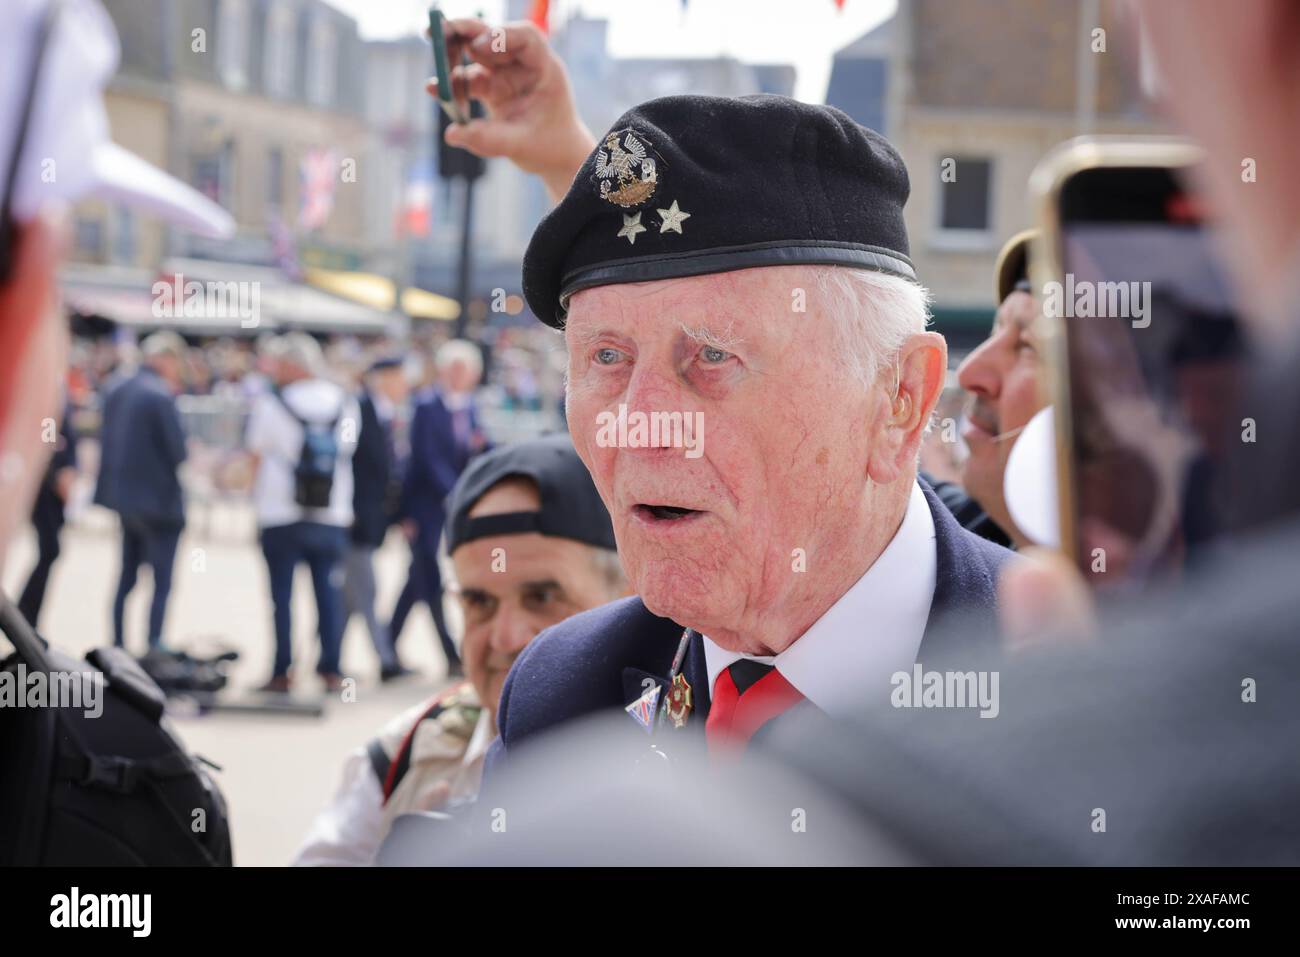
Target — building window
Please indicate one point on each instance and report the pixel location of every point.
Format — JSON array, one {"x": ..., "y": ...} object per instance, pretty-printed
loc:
[
  {"x": 89, "y": 236},
  {"x": 964, "y": 196},
  {"x": 277, "y": 68},
  {"x": 214, "y": 174},
  {"x": 124, "y": 237},
  {"x": 322, "y": 65},
  {"x": 232, "y": 43}
]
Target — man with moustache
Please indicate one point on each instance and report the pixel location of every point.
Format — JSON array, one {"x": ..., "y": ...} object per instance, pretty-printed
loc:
[
  {"x": 530, "y": 544},
  {"x": 1004, "y": 376},
  {"x": 701, "y": 264}
]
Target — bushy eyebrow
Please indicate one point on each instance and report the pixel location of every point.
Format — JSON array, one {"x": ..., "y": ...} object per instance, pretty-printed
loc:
[{"x": 725, "y": 340}]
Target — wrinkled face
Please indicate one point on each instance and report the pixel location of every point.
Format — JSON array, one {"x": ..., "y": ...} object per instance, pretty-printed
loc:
[
  {"x": 511, "y": 587},
  {"x": 708, "y": 534},
  {"x": 1005, "y": 379}
]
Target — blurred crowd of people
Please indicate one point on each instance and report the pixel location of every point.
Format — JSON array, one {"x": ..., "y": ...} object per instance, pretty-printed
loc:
[{"x": 405, "y": 422}]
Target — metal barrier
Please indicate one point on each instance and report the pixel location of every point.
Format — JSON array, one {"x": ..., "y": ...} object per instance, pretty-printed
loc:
[{"x": 216, "y": 421}]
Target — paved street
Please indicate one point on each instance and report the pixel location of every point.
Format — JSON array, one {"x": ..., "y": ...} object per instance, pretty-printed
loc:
[{"x": 277, "y": 770}]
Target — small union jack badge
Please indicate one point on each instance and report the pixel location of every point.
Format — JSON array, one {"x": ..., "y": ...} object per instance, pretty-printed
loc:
[{"x": 643, "y": 708}]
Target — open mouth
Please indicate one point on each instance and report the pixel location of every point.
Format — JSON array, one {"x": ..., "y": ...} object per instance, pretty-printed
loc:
[{"x": 664, "y": 513}]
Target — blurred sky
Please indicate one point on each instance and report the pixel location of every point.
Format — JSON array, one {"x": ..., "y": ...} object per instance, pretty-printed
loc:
[{"x": 804, "y": 33}]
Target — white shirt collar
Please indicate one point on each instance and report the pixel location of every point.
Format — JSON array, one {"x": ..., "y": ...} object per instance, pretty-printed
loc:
[
  {"x": 873, "y": 630},
  {"x": 484, "y": 732},
  {"x": 383, "y": 407}
]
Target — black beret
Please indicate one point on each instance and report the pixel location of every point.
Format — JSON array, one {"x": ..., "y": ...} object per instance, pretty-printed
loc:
[
  {"x": 570, "y": 505},
  {"x": 687, "y": 185}
]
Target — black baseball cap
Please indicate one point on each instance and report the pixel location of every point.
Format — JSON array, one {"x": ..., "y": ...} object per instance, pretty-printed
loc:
[{"x": 570, "y": 505}]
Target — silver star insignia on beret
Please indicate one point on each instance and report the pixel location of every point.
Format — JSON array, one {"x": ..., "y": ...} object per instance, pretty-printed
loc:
[
  {"x": 631, "y": 226},
  {"x": 672, "y": 218}
]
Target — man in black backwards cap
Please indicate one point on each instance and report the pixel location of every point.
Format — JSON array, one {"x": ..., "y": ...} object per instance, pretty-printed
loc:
[
  {"x": 530, "y": 544},
  {"x": 749, "y": 381}
]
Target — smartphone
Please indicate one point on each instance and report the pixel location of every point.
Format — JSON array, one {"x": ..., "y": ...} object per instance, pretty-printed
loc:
[
  {"x": 442, "y": 67},
  {"x": 1145, "y": 354}
]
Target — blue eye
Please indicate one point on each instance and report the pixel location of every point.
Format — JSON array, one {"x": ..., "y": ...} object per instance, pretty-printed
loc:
[
  {"x": 606, "y": 357},
  {"x": 714, "y": 355}
]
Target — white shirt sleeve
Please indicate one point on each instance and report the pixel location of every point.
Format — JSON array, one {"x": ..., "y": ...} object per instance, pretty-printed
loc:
[
  {"x": 348, "y": 832},
  {"x": 258, "y": 435}
]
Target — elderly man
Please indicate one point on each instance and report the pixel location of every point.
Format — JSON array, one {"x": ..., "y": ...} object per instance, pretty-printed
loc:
[
  {"x": 1005, "y": 378},
  {"x": 530, "y": 544},
  {"x": 445, "y": 434},
  {"x": 376, "y": 488},
  {"x": 143, "y": 446},
  {"x": 301, "y": 437},
  {"x": 749, "y": 381}
]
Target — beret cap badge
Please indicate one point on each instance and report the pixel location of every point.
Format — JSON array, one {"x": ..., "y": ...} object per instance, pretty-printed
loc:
[{"x": 626, "y": 172}]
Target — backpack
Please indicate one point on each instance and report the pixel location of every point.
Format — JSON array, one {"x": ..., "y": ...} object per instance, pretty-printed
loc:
[
  {"x": 314, "y": 475},
  {"x": 108, "y": 786}
]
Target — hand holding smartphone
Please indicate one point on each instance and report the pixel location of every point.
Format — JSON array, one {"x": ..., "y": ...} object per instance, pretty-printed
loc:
[
  {"x": 1145, "y": 355},
  {"x": 442, "y": 68}
]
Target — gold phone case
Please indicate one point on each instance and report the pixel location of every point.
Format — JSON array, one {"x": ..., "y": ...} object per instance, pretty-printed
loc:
[{"x": 1045, "y": 265}]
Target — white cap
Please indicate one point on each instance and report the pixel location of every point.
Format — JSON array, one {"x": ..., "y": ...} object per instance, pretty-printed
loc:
[{"x": 67, "y": 154}]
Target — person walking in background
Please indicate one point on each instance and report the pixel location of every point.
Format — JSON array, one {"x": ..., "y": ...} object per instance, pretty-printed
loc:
[
  {"x": 302, "y": 436},
  {"x": 376, "y": 495},
  {"x": 142, "y": 447},
  {"x": 47, "y": 518},
  {"x": 445, "y": 435}
]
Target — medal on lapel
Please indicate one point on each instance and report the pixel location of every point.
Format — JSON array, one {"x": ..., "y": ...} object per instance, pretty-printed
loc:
[{"x": 678, "y": 704}]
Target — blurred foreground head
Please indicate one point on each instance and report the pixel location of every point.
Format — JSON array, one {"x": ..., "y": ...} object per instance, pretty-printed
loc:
[
  {"x": 1229, "y": 74},
  {"x": 55, "y": 59},
  {"x": 530, "y": 544}
]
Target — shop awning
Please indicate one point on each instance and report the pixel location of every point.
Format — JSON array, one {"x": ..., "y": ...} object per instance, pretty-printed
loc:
[{"x": 376, "y": 291}]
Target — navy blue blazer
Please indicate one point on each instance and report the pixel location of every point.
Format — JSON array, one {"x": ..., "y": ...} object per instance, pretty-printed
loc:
[
  {"x": 437, "y": 459},
  {"x": 599, "y": 659},
  {"x": 142, "y": 445},
  {"x": 374, "y": 469}
]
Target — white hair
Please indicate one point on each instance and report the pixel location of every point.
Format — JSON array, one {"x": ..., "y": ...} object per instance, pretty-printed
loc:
[
  {"x": 301, "y": 350},
  {"x": 874, "y": 314},
  {"x": 459, "y": 350},
  {"x": 164, "y": 343}
]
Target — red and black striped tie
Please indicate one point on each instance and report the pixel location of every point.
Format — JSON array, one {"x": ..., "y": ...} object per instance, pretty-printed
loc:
[{"x": 746, "y": 695}]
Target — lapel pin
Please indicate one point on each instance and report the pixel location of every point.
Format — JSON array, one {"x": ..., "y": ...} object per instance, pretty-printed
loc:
[
  {"x": 643, "y": 709},
  {"x": 679, "y": 703}
]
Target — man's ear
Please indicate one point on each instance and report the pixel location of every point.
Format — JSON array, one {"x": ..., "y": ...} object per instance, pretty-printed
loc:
[{"x": 921, "y": 366}]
